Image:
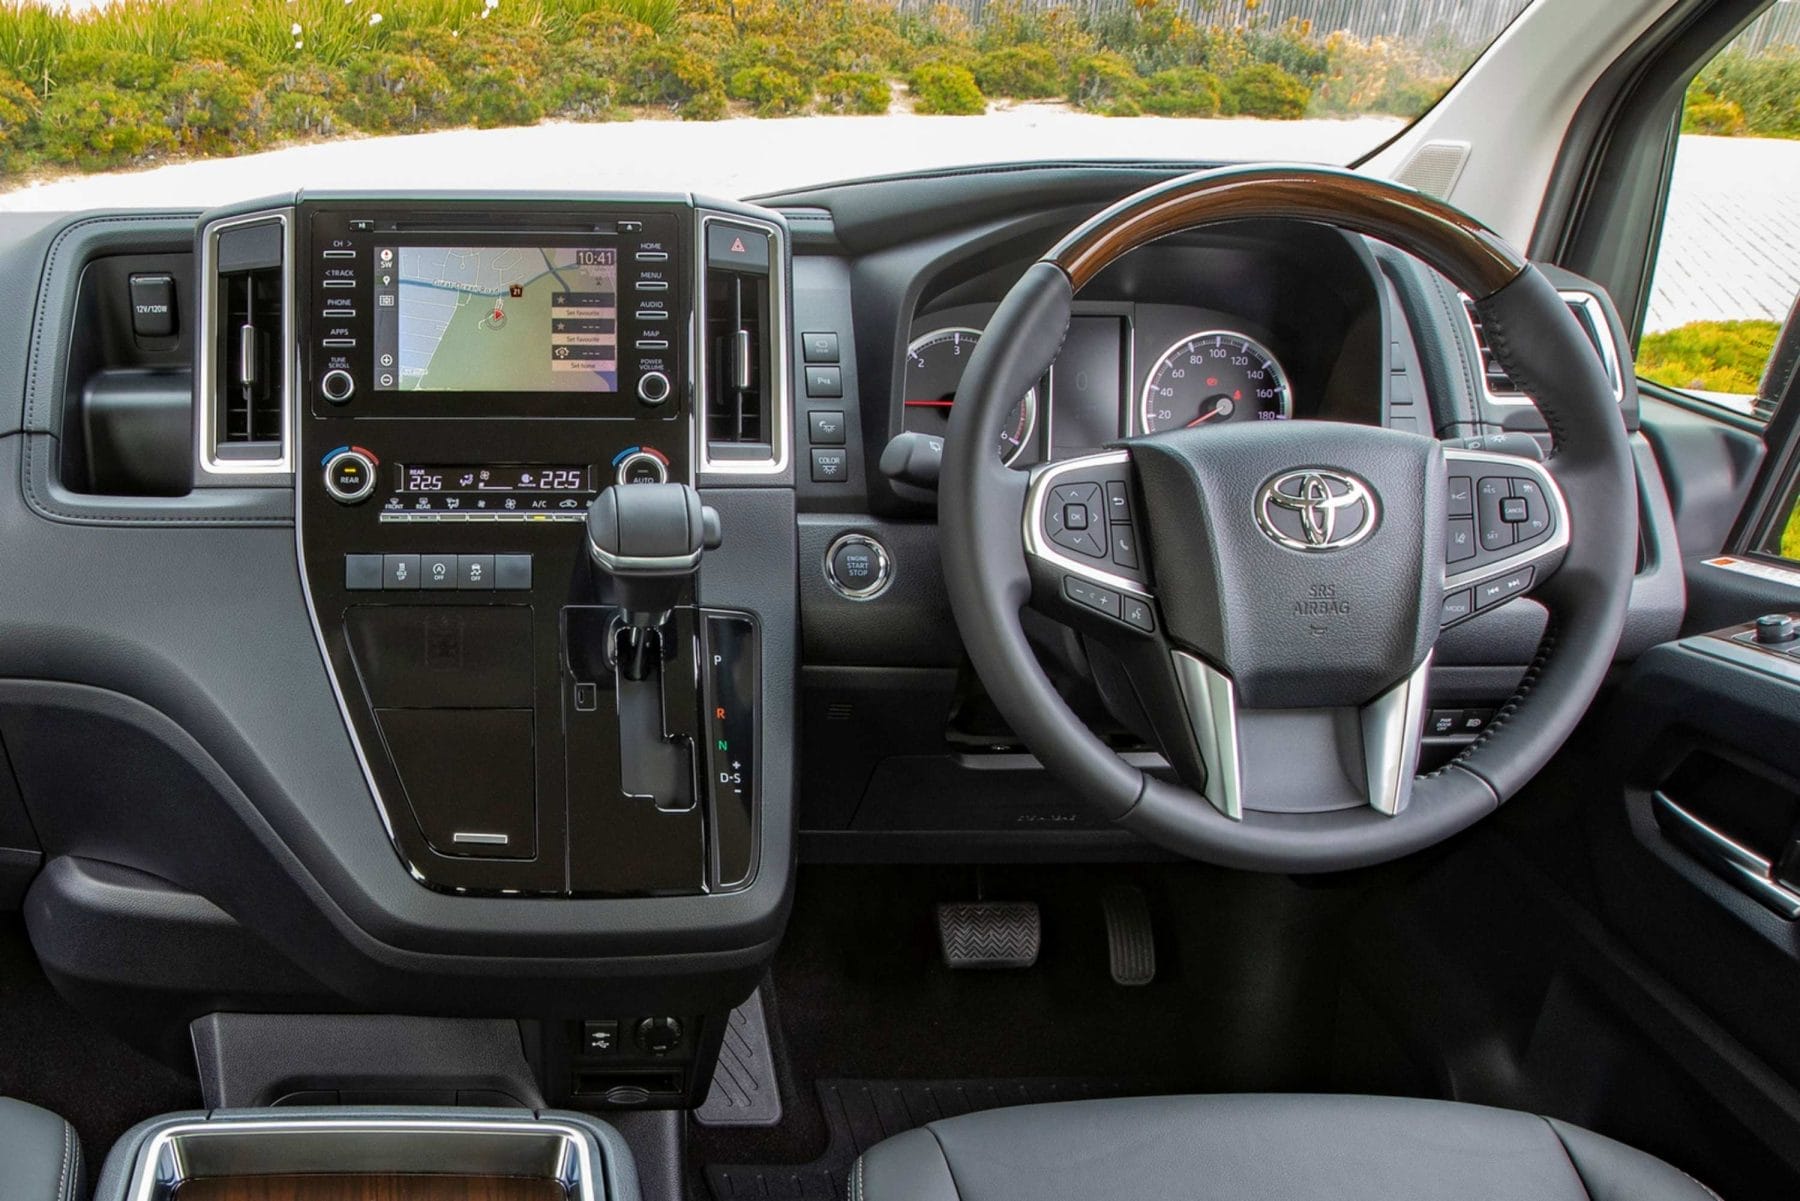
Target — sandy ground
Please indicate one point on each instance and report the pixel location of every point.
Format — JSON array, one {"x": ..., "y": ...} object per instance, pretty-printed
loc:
[{"x": 733, "y": 158}]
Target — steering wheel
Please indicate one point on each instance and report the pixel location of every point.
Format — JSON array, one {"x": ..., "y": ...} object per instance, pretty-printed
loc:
[{"x": 1273, "y": 590}]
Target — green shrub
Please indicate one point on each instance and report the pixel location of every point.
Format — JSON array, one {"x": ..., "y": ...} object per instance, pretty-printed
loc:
[
  {"x": 1019, "y": 72},
  {"x": 18, "y": 115},
  {"x": 771, "y": 91},
  {"x": 1706, "y": 113},
  {"x": 303, "y": 102},
  {"x": 1709, "y": 356},
  {"x": 495, "y": 74},
  {"x": 1182, "y": 92},
  {"x": 671, "y": 75},
  {"x": 1105, "y": 83},
  {"x": 395, "y": 93},
  {"x": 212, "y": 108},
  {"x": 94, "y": 125},
  {"x": 1265, "y": 90},
  {"x": 947, "y": 90},
  {"x": 1766, "y": 88},
  {"x": 861, "y": 92}
]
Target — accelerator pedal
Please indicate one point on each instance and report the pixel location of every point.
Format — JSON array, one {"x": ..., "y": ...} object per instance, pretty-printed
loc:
[
  {"x": 989, "y": 934},
  {"x": 744, "y": 1091},
  {"x": 1130, "y": 943}
]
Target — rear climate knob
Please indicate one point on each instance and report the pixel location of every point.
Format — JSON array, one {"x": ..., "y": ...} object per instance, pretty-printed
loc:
[{"x": 350, "y": 476}]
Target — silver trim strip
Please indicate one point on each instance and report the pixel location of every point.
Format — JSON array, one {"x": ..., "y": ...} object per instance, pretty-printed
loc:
[
  {"x": 1393, "y": 725},
  {"x": 477, "y": 838},
  {"x": 1737, "y": 863},
  {"x": 1212, "y": 714},
  {"x": 782, "y": 398},
  {"x": 1589, "y": 304},
  {"x": 554, "y": 1150},
  {"x": 1559, "y": 537},
  {"x": 643, "y": 564},
  {"x": 206, "y": 411},
  {"x": 1042, "y": 480}
]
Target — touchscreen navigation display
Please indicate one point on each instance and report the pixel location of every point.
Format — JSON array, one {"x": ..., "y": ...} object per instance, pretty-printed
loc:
[{"x": 496, "y": 319}]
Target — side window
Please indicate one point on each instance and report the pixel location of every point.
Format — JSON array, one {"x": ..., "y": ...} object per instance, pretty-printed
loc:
[{"x": 1728, "y": 268}]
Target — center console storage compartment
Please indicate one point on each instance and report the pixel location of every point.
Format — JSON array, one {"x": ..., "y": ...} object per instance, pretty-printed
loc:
[{"x": 370, "y": 1155}]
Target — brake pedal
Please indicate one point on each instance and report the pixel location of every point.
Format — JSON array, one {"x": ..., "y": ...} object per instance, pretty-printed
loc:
[
  {"x": 989, "y": 934},
  {"x": 1130, "y": 942}
]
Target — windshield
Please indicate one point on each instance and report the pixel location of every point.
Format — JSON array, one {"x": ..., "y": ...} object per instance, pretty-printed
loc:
[{"x": 185, "y": 102}]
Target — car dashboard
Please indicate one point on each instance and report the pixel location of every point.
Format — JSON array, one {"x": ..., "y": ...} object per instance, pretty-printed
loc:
[{"x": 308, "y": 677}]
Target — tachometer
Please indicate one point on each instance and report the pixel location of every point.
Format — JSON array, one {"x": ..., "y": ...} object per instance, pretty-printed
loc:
[
  {"x": 934, "y": 368},
  {"x": 1213, "y": 377}
]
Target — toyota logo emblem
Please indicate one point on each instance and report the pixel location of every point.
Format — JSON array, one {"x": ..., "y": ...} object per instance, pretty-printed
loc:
[{"x": 1316, "y": 509}]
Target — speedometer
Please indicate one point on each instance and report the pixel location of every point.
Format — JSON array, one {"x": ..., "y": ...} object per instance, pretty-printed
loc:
[
  {"x": 1212, "y": 377},
  {"x": 934, "y": 369}
]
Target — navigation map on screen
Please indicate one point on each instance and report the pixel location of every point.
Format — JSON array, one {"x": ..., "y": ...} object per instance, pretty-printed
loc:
[{"x": 496, "y": 319}]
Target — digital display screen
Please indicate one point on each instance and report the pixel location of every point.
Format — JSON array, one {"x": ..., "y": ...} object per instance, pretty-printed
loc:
[
  {"x": 494, "y": 477},
  {"x": 1084, "y": 386},
  {"x": 497, "y": 318}
]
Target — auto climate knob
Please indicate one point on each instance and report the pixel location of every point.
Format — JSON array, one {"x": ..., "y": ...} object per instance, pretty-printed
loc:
[{"x": 350, "y": 475}]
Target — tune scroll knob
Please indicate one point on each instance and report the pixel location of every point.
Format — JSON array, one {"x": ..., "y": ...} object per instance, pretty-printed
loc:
[
  {"x": 350, "y": 476},
  {"x": 337, "y": 386},
  {"x": 653, "y": 388}
]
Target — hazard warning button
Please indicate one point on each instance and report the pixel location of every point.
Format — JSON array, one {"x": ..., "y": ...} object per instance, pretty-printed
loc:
[{"x": 735, "y": 248}]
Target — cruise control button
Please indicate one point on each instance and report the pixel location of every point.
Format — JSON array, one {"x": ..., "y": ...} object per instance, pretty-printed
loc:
[
  {"x": 1457, "y": 606},
  {"x": 1537, "y": 508},
  {"x": 1493, "y": 532},
  {"x": 1093, "y": 596},
  {"x": 1462, "y": 496},
  {"x": 1137, "y": 614},
  {"x": 1506, "y": 587},
  {"x": 1512, "y": 509}
]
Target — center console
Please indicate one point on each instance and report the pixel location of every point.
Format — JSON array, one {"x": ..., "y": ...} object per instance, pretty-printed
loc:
[{"x": 471, "y": 377}]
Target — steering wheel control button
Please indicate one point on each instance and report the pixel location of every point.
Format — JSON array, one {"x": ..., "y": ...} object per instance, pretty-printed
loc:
[
  {"x": 1458, "y": 605},
  {"x": 830, "y": 466},
  {"x": 400, "y": 573},
  {"x": 1072, "y": 519},
  {"x": 857, "y": 567},
  {"x": 437, "y": 572},
  {"x": 1093, "y": 596},
  {"x": 1513, "y": 510},
  {"x": 337, "y": 386},
  {"x": 1459, "y": 540},
  {"x": 349, "y": 476},
  {"x": 362, "y": 573},
  {"x": 1137, "y": 614},
  {"x": 1124, "y": 546},
  {"x": 1515, "y": 583},
  {"x": 1462, "y": 496},
  {"x": 1075, "y": 517},
  {"x": 825, "y": 427},
  {"x": 1118, "y": 501},
  {"x": 1535, "y": 522},
  {"x": 1495, "y": 533}
]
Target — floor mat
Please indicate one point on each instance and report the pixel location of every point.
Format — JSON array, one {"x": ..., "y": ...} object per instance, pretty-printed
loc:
[{"x": 860, "y": 1113}]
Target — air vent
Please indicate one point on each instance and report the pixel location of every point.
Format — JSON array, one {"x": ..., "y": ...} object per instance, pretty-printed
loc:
[
  {"x": 743, "y": 366},
  {"x": 245, "y": 366},
  {"x": 1589, "y": 315}
]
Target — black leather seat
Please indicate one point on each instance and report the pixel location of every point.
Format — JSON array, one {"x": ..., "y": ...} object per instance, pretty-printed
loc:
[
  {"x": 40, "y": 1157},
  {"x": 1261, "y": 1148}
]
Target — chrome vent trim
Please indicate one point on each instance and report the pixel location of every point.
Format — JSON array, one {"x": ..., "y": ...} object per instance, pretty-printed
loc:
[
  {"x": 1497, "y": 387},
  {"x": 216, "y": 455},
  {"x": 778, "y": 397}
]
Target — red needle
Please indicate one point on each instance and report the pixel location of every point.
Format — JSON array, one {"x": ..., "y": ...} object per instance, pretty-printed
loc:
[
  {"x": 932, "y": 404},
  {"x": 1206, "y": 416}
]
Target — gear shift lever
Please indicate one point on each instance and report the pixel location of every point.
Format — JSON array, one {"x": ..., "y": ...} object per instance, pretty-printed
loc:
[{"x": 649, "y": 538}]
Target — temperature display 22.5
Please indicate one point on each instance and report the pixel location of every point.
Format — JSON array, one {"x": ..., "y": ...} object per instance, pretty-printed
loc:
[{"x": 495, "y": 477}]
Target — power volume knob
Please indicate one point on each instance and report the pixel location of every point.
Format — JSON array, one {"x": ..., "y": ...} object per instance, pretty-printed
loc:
[
  {"x": 653, "y": 388},
  {"x": 349, "y": 476}
]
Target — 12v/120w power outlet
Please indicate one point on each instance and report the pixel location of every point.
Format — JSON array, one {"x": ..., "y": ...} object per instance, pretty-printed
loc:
[{"x": 153, "y": 306}]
